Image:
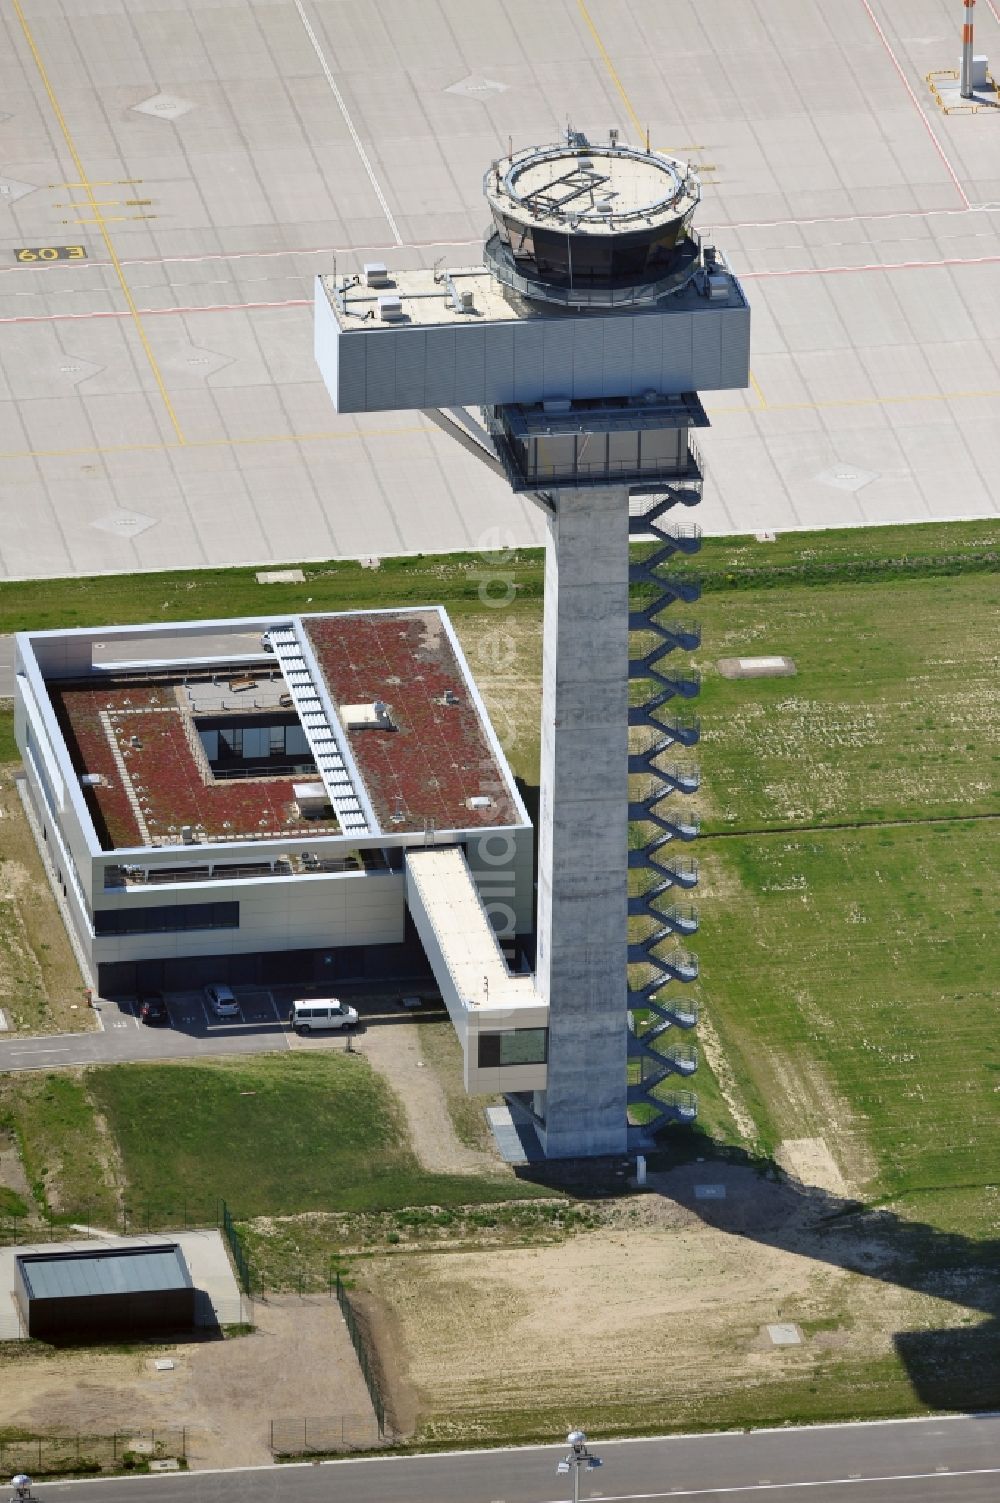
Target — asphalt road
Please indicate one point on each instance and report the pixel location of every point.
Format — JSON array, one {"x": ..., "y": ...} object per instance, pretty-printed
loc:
[
  {"x": 260, "y": 1028},
  {"x": 938, "y": 1460}
]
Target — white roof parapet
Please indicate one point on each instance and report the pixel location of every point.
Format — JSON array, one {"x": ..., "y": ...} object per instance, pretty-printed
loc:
[
  {"x": 349, "y": 802},
  {"x": 466, "y": 939}
]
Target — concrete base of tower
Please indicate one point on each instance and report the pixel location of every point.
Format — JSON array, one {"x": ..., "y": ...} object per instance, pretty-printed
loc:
[{"x": 583, "y": 824}]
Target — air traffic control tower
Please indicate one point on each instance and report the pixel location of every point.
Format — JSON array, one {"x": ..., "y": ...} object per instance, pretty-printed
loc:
[{"x": 584, "y": 338}]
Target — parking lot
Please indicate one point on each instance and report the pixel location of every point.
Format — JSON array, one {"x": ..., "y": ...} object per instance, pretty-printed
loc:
[{"x": 261, "y": 1026}]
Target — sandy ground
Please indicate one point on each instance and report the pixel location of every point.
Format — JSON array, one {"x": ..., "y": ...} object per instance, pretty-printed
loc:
[
  {"x": 667, "y": 1303},
  {"x": 298, "y": 1364}
]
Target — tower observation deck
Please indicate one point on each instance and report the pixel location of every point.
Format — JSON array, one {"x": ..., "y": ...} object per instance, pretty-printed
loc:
[{"x": 584, "y": 337}]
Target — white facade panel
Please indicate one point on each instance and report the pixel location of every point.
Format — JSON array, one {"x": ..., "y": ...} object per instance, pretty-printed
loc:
[
  {"x": 470, "y": 363},
  {"x": 380, "y": 375},
  {"x": 617, "y": 369},
  {"x": 498, "y": 377},
  {"x": 647, "y": 355},
  {"x": 557, "y": 357},
  {"x": 529, "y": 385},
  {"x": 411, "y": 369},
  {"x": 588, "y": 356},
  {"x": 407, "y": 366},
  {"x": 735, "y": 354},
  {"x": 677, "y": 355},
  {"x": 326, "y": 345},
  {"x": 296, "y": 913},
  {"x": 439, "y": 387},
  {"x": 706, "y": 356}
]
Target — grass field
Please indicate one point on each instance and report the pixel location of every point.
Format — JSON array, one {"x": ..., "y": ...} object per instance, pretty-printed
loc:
[
  {"x": 271, "y": 1135},
  {"x": 884, "y": 1039},
  {"x": 893, "y": 713},
  {"x": 160, "y": 1145},
  {"x": 466, "y": 581},
  {"x": 71, "y": 1163},
  {"x": 848, "y": 982},
  {"x": 41, "y": 989}
]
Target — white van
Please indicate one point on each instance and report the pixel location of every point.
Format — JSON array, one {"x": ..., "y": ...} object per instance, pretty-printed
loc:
[{"x": 321, "y": 1012}]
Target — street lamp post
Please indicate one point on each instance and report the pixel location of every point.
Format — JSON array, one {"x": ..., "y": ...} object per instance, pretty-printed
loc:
[{"x": 576, "y": 1457}]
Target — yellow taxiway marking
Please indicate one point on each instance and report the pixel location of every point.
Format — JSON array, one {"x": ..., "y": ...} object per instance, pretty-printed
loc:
[
  {"x": 326, "y": 438},
  {"x": 642, "y": 129},
  {"x": 100, "y": 182},
  {"x": 762, "y": 400},
  {"x": 605, "y": 58},
  {"x": 99, "y": 220}
]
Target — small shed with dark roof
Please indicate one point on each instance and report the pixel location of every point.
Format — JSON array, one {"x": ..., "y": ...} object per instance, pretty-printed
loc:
[{"x": 120, "y": 1291}]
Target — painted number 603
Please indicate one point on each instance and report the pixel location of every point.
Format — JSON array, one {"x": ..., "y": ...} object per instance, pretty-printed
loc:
[{"x": 51, "y": 253}]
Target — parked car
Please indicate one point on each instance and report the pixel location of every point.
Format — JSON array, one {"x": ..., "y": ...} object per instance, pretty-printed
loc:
[
  {"x": 321, "y": 1012},
  {"x": 153, "y": 1009},
  {"x": 222, "y": 1000}
]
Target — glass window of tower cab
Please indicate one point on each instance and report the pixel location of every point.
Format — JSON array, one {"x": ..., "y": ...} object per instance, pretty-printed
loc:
[{"x": 582, "y": 215}]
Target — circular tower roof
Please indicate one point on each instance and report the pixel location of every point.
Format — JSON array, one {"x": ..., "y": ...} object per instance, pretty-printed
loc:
[{"x": 581, "y": 223}]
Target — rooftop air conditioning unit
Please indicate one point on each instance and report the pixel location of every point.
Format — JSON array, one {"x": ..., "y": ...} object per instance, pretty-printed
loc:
[
  {"x": 376, "y": 273},
  {"x": 390, "y": 307}
]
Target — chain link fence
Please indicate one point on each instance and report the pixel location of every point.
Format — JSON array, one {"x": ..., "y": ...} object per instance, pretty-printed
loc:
[
  {"x": 54, "y": 1455},
  {"x": 360, "y": 1341},
  {"x": 309, "y": 1435},
  {"x": 133, "y": 1219}
]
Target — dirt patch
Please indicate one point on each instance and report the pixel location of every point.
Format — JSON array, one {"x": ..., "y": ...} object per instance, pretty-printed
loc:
[
  {"x": 588, "y": 1325},
  {"x": 715, "y": 1057},
  {"x": 810, "y": 1161},
  {"x": 805, "y": 1098},
  {"x": 298, "y": 1365}
]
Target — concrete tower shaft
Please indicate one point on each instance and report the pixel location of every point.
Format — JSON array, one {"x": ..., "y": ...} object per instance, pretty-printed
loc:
[{"x": 584, "y": 338}]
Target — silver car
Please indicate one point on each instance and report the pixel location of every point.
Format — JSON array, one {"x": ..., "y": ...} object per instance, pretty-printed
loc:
[{"x": 222, "y": 1000}]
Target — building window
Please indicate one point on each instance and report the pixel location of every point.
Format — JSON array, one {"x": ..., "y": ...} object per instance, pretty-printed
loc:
[
  {"x": 166, "y": 918},
  {"x": 522, "y": 1046}
]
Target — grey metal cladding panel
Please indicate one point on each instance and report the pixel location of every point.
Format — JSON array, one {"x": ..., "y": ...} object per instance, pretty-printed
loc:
[
  {"x": 617, "y": 358},
  {"x": 411, "y": 367},
  {"x": 352, "y": 365},
  {"x": 588, "y": 357},
  {"x": 134, "y": 1270},
  {"x": 706, "y": 365},
  {"x": 470, "y": 362},
  {"x": 440, "y": 389},
  {"x": 557, "y": 357},
  {"x": 647, "y": 353},
  {"x": 735, "y": 348},
  {"x": 528, "y": 354},
  {"x": 499, "y": 354},
  {"x": 677, "y": 359},
  {"x": 380, "y": 374}
]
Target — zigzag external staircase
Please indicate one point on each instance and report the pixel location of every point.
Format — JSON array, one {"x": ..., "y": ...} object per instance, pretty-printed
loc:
[{"x": 661, "y": 731}]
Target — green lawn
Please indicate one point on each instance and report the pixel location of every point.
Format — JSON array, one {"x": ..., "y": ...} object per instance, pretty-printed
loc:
[
  {"x": 271, "y": 1135},
  {"x": 891, "y": 715},
  {"x": 852, "y": 976},
  {"x": 69, "y": 1160},
  {"x": 467, "y": 581}
]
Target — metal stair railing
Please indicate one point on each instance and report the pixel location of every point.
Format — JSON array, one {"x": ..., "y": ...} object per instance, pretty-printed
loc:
[{"x": 657, "y": 729}]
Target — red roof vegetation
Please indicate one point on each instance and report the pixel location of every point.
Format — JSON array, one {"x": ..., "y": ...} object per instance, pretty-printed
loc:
[
  {"x": 424, "y": 772},
  {"x": 167, "y": 781}
]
